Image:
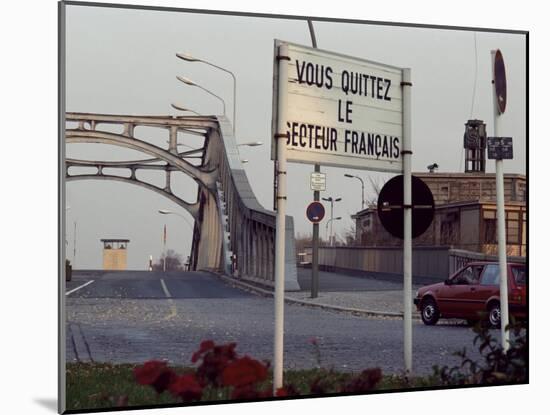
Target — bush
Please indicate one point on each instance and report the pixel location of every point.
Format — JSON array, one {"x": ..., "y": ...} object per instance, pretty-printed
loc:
[{"x": 496, "y": 367}]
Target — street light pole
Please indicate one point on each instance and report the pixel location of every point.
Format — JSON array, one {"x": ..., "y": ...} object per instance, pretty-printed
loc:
[
  {"x": 191, "y": 83},
  {"x": 189, "y": 58},
  {"x": 180, "y": 108},
  {"x": 330, "y": 221},
  {"x": 362, "y": 189},
  {"x": 331, "y": 200}
]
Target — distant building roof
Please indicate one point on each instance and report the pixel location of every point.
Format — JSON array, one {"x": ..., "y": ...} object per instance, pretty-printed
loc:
[{"x": 115, "y": 240}]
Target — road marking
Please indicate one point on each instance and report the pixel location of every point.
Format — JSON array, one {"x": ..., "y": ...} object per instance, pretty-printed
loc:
[
  {"x": 173, "y": 310},
  {"x": 78, "y": 288},
  {"x": 165, "y": 289}
]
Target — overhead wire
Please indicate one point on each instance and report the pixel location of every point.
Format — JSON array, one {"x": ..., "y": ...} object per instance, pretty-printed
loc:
[{"x": 473, "y": 94}]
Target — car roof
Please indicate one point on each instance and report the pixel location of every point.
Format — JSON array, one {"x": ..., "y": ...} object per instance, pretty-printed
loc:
[{"x": 491, "y": 262}]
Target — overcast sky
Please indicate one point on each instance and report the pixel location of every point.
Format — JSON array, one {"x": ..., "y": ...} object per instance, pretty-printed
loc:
[{"x": 123, "y": 62}]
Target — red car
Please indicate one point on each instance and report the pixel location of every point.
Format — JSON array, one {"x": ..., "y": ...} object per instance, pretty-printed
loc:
[{"x": 473, "y": 293}]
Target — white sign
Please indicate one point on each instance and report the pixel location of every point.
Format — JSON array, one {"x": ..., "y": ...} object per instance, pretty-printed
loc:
[
  {"x": 341, "y": 111},
  {"x": 318, "y": 182}
]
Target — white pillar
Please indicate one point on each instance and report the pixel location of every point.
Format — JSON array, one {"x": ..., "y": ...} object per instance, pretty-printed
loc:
[
  {"x": 281, "y": 219},
  {"x": 407, "y": 221},
  {"x": 501, "y": 225}
]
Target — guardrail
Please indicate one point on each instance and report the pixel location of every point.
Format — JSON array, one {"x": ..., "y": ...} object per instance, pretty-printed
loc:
[
  {"x": 429, "y": 263},
  {"x": 248, "y": 228}
]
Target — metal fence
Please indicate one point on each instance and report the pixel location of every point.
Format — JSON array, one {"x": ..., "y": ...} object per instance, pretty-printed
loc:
[{"x": 430, "y": 264}]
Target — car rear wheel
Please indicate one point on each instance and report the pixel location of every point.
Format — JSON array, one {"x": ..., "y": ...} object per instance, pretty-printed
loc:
[
  {"x": 494, "y": 315},
  {"x": 430, "y": 312}
]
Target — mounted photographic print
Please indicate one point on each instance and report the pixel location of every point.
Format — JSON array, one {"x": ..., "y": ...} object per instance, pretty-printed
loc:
[{"x": 265, "y": 207}]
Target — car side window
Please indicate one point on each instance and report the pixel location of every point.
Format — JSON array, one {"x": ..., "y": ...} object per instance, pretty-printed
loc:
[
  {"x": 520, "y": 275},
  {"x": 467, "y": 277},
  {"x": 491, "y": 275}
]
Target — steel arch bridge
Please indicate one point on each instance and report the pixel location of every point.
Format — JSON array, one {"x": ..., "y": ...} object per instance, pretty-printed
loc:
[{"x": 232, "y": 232}]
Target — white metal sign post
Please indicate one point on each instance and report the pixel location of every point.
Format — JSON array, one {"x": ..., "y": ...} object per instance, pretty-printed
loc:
[
  {"x": 340, "y": 111},
  {"x": 407, "y": 221},
  {"x": 280, "y": 220},
  {"x": 500, "y": 96}
]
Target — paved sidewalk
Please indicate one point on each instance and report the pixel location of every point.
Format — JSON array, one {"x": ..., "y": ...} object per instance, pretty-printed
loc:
[
  {"x": 376, "y": 302},
  {"x": 359, "y": 295}
]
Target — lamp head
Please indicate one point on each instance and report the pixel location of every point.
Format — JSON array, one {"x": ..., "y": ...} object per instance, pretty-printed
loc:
[
  {"x": 187, "y": 57},
  {"x": 185, "y": 80}
]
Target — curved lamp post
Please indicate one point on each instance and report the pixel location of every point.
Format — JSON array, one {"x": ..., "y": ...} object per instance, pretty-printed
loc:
[
  {"x": 169, "y": 212},
  {"x": 331, "y": 200},
  {"x": 191, "y": 83},
  {"x": 180, "y": 108},
  {"x": 326, "y": 228},
  {"x": 251, "y": 144},
  {"x": 362, "y": 189},
  {"x": 189, "y": 58}
]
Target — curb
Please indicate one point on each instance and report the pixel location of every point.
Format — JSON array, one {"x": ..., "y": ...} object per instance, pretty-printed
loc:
[{"x": 267, "y": 293}]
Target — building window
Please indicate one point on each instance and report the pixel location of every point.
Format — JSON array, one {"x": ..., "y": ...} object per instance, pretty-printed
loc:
[
  {"x": 512, "y": 228},
  {"x": 449, "y": 229},
  {"x": 489, "y": 227}
]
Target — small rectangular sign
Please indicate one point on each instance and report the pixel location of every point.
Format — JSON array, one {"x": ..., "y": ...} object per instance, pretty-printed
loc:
[
  {"x": 500, "y": 148},
  {"x": 318, "y": 182},
  {"x": 342, "y": 111}
]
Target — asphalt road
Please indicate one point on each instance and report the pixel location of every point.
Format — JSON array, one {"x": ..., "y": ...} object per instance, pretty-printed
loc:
[
  {"x": 329, "y": 281},
  {"x": 135, "y": 316}
]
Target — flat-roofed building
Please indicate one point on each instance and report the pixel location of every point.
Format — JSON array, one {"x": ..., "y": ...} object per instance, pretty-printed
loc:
[
  {"x": 115, "y": 254},
  {"x": 465, "y": 214}
]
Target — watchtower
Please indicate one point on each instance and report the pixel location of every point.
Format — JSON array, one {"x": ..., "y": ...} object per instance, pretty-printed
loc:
[
  {"x": 115, "y": 254},
  {"x": 475, "y": 142}
]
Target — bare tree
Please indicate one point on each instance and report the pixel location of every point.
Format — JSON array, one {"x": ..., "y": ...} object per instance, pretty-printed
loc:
[{"x": 174, "y": 262}]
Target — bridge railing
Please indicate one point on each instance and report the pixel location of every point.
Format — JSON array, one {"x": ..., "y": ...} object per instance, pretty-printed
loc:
[
  {"x": 459, "y": 258},
  {"x": 248, "y": 229}
]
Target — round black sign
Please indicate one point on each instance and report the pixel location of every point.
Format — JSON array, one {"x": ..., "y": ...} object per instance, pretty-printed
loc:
[
  {"x": 315, "y": 212},
  {"x": 390, "y": 206},
  {"x": 500, "y": 81}
]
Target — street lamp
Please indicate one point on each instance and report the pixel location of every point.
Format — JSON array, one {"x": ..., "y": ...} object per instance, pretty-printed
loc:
[
  {"x": 169, "y": 212},
  {"x": 187, "y": 57},
  {"x": 191, "y": 83},
  {"x": 362, "y": 189},
  {"x": 331, "y": 200},
  {"x": 251, "y": 144},
  {"x": 180, "y": 108},
  {"x": 326, "y": 228}
]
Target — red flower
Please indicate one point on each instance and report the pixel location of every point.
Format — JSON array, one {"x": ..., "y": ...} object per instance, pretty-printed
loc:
[
  {"x": 214, "y": 362},
  {"x": 204, "y": 347},
  {"x": 288, "y": 390},
  {"x": 281, "y": 392},
  {"x": 186, "y": 387},
  {"x": 154, "y": 373},
  {"x": 313, "y": 341},
  {"x": 244, "y": 371}
]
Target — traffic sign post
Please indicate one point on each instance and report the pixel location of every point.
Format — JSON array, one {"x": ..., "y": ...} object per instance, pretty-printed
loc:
[
  {"x": 391, "y": 206},
  {"x": 499, "y": 106},
  {"x": 315, "y": 212},
  {"x": 500, "y": 148},
  {"x": 318, "y": 182}
]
